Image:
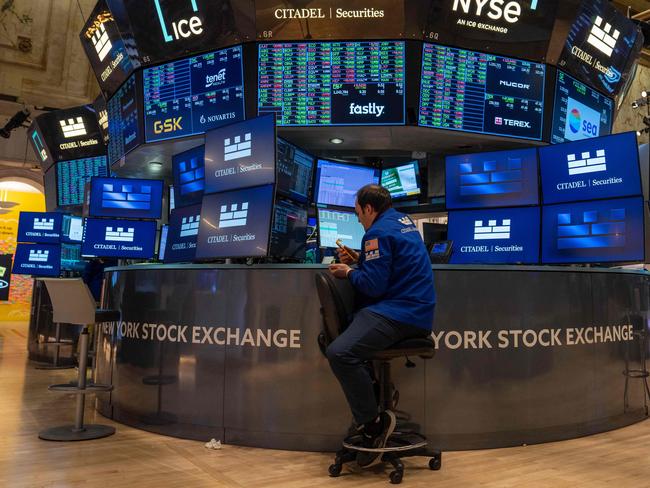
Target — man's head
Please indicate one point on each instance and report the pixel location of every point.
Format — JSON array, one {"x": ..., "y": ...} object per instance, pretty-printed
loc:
[{"x": 372, "y": 201}]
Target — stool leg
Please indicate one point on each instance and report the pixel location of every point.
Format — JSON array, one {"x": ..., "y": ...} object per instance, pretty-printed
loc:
[
  {"x": 57, "y": 352},
  {"x": 83, "y": 364}
]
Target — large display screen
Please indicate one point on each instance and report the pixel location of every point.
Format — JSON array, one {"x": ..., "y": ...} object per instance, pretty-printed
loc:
[
  {"x": 182, "y": 234},
  {"x": 240, "y": 155},
  {"x": 493, "y": 179},
  {"x": 495, "y": 236},
  {"x": 402, "y": 181},
  {"x": 289, "y": 232},
  {"x": 124, "y": 120},
  {"x": 593, "y": 232},
  {"x": 337, "y": 224},
  {"x": 579, "y": 112},
  {"x": 37, "y": 260},
  {"x": 72, "y": 176},
  {"x": 599, "y": 44},
  {"x": 605, "y": 167},
  {"x": 41, "y": 227},
  {"x": 188, "y": 169},
  {"x": 113, "y": 238},
  {"x": 72, "y": 229},
  {"x": 484, "y": 93},
  {"x": 521, "y": 29},
  {"x": 71, "y": 258},
  {"x": 235, "y": 223},
  {"x": 333, "y": 83},
  {"x": 193, "y": 95},
  {"x": 126, "y": 197},
  {"x": 338, "y": 183},
  {"x": 295, "y": 171}
]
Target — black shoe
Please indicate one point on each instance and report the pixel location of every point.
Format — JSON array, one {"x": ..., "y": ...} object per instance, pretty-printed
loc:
[{"x": 375, "y": 435}]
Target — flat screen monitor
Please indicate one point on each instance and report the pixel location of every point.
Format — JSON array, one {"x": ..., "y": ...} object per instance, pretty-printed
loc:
[
  {"x": 41, "y": 227},
  {"x": 579, "y": 112},
  {"x": 493, "y": 179},
  {"x": 602, "y": 231},
  {"x": 604, "y": 167},
  {"x": 235, "y": 223},
  {"x": 240, "y": 155},
  {"x": 162, "y": 243},
  {"x": 193, "y": 95},
  {"x": 125, "y": 130},
  {"x": 114, "y": 238},
  {"x": 295, "y": 171},
  {"x": 182, "y": 235},
  {"x": 402, "y": 181},
  {"x": 188, "y": 169},
  {"x": 339, "y": 224},
  {"x": 71, "y": 259},
  {"x": 495, "y": 236},
  {"x": 126, "y": 197},
  {"x": 37, "y": 260},
  {"x": 484, "y": 93},
  {"x": 333, "y": 83},
  {"x": 72, "y": 229},
  {"x": 72, "y": 176},
  {"x": 289, "y": 232},
  {"x": 337, "y": 183}
]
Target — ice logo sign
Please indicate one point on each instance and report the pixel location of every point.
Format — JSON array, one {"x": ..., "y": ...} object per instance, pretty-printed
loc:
[
  {"x": 586, "y": 163},
  {"x": 602, "y": 37},
  {"x": 101, "y": 42},
  {"x": 120, "y": 234},
  {"x": 38, "y": 256},
  {"x": 234, "y": 217},
  {"x": 181, "y": 28},
  {"x": 43, "y": 224},
  {"x": 237, "y": 148},
  {"x": 491, "y": 230},
  {"x": 591, "y": 229},
  {"x": 73, "y": 127},
  {"x": 190, "y": 225}
]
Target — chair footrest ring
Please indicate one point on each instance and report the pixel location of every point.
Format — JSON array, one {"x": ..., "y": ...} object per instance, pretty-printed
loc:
[
  {"x": 72, "y": 388},
  {"x": 397, "y": 442}
]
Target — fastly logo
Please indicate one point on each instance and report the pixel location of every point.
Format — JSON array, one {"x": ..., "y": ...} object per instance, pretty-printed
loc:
[
  {"x": 120, "y": 234},
  {"x": 38, "y": 256},
  {"x": 44, "y": 224},
  {"x": 101, "y": 42},
  {"x": 368, "y": 109},
  {"x": 213, "y": 80},
  {"x": 237, "y": 148},
  {"x": 233, "y": 217},
  {"x": 190, "y": 226},
  {"x": 496, "y": 9},
  {"x": 602, "y": 37},
  {"x": 73, "y": 127},
  {"x": 587, "y": 164},
  {"x": 182, "y": 28},
  {"x": 491, "y": 230},
  {"x": 167, "y": 125}
]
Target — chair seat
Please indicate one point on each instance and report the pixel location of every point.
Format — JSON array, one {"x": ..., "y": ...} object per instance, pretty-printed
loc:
[{"x": 420, "y": 346}]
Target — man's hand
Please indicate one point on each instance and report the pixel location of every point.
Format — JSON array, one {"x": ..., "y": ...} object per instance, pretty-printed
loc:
[
  {"x": 339, "y": 270},
  {"x": 349, "y": 256}
]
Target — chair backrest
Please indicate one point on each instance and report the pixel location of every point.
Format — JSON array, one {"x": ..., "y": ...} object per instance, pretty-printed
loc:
[
  {"x": 337, "y": 304},
  {"x": 72, "y": 302}
]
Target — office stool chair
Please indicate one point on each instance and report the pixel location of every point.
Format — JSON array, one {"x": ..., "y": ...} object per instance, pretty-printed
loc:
[
  {"x": 72, "y": 303},
  {"x": 640, "y": 372},
  {"x": 337, "y": 305}
]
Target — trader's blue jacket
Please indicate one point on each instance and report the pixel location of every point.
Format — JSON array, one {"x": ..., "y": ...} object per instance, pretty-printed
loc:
[{"x": 394, "y": 271}]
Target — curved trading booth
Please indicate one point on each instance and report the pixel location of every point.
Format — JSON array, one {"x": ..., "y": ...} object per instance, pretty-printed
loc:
[{"x": 231, "y": 133}]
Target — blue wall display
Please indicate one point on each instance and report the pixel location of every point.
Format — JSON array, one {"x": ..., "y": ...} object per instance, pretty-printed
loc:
[
  {"x": 115, "y": 238},
  {"x": 37, "y": 260},
  {"x": 126, "y": 197},
  {"x": 182, "y": 234},
  {"x": 41, "y": 227},
  {"x": 189, "y": 177}
]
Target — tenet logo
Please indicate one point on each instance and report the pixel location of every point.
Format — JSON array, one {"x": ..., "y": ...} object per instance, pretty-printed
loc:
[
  {"x": 582, "y": 122},
  {"x": 182, "y": 28},
  {"x": 212, "y": 80},
  {"x": 167, "y": 125}
]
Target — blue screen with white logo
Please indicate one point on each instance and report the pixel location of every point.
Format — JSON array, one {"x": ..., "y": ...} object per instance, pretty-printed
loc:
[
  {"x": 496, "y": 236},
  {"x": 338, "y": 183},
  {"x": 182, "y": 234},
  {"x": 338, "y": 224},
  {"x": 193, "y": 95},
  {"x": 126, "y": 197},
  {"x": 579, "y": 112},
  {"x": 189, "y": 176},
  {"x": 37, "y": 260},
  {"x": 593, "y": 232},
  {"x": 235, "y": 223},
  {"x": 43, "y": 227},
  {"x": 605, "y": 167},
  {"x": 114, "y": 238},
  {"x": 494, "y": 179}
]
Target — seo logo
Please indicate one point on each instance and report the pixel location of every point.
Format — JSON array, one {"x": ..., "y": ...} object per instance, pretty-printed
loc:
[
  {"x": 182, "y": 28},
  {"x": 574, "y": 120},
  {"x": 167, "y": 125}
]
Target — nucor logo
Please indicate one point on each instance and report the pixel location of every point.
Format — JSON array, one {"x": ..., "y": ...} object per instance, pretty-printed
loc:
[
  {"x": 181, "y": 28},
  {"x": 514, "y": 84},
  {"x": 498, "y": 9}
]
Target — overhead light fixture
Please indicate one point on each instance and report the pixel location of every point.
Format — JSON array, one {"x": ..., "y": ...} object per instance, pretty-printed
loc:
[
  {"x": 336, "y": 140},
  {"x": 155, "y": 165}
]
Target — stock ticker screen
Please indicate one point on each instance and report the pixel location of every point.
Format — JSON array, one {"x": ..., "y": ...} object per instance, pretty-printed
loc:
[
  {"x": 72, "y": 176},
  {"x": 477, "y": 92},
  {"x": 332, "y": 83},
  {"x": 124, "y": 129},
  {"x": 193, "y": 95}
]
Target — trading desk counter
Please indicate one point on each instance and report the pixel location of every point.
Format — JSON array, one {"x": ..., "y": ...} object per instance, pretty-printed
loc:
[{"x": 525, "y": 354}]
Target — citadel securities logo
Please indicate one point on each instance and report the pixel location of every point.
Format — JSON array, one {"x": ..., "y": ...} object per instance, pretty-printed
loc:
[
  {"x": 43, "y": 224},
  {"x": 233, "y": 217},
  {"x": 181, "y": 28},
  {"x": 319, "y": 13},
  {"x": 602, "y": 37},
  {"x": 587, "y": 164},
  {"x": 38, "y": 256},
  {"x": 101, "y": 42},
  {"x": 120, "y": 234},
  {"x": 491, "y": 230},
  {"x": 190, "y": 226},
  {"x": 73, "y": 127},
  {"x": 236, "y": 148}
]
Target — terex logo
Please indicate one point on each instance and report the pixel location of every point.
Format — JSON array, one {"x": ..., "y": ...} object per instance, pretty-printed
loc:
[
  {"x": 368, "y": 109},
  {"x": 182, "y": 28},
  {"x": 512, "y": 123},
  {"x": 167, "y": 125},
  {"x": 496, "y": 9},
  {"x": 212, "y": 80},
  {"x": 514, "y": 84}
]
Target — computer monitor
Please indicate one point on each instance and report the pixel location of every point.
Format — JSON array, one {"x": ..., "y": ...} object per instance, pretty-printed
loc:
[
  {"x": 188, "y": 169},
  {"x": 440, "y": 252},
  {"x": 37, "y": 260},
  {"x": 289, "y": 233},
  {"x": 337, "y": 183},
  {"x": 126, "y": 197},
  {"x": 339, "y": 224},
  {"x": 183, "y": 231},
  {"x": 402, "y": 181},
  {"x": 115, "y": 238},
  {"x": 72, "y": 229},
  {"x": 41, "y": 227},
  {"x": 71, "y": 258},
  {"x": 295, "y": 169},
  {"x": 162, "y": 242}
]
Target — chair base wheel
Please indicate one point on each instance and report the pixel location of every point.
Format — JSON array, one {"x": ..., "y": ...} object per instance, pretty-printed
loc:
[
  {"x": 396, "y": 477},
  {"x": 67, "y": 433},
  {"x": 335, "y": 470},
  {"x": 435, "y": 463}
]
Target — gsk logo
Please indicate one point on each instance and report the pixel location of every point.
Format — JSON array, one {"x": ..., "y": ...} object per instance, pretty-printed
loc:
[
  {"x": 182, "y": 28},
  {"x": 167, "y": 125}
]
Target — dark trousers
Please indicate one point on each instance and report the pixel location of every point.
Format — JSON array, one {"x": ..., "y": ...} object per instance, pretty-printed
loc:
[{"x": 368, "y": 333}]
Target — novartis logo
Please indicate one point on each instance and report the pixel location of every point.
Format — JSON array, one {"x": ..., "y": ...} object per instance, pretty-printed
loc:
[{"x": 494, "y": 9}]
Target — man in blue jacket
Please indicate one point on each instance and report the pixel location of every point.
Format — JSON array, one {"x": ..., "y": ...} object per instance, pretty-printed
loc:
[{"x": 395, "y": 282}]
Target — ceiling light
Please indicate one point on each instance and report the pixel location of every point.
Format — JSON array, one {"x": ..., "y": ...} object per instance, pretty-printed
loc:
[
  {"x": 336, "y": 140},
  {"x": 155, "y": 166}
]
